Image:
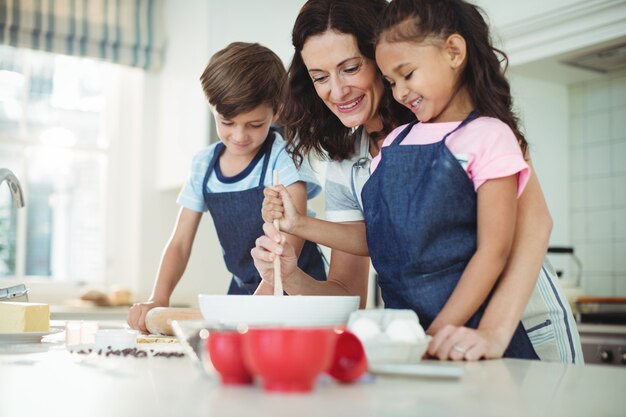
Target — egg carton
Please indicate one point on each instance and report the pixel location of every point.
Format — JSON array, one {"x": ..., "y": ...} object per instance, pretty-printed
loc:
[
  {"x": 384, "y": 352},
  {"x": 379, "y": 344},
  {"x": 382, "y": 317}
]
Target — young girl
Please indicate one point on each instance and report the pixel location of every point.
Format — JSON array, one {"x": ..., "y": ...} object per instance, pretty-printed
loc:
[
  {"x": 243, "y": 84},
  {"x": 440, "y": 212}
]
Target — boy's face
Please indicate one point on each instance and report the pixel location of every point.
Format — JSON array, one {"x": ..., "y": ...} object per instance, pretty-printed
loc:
[{"x": 244, "y": 134}]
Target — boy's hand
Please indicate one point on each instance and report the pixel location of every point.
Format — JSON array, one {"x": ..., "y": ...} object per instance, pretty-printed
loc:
[
  {"x": 137, "y": 314},
  {"x": 267, "y": 247},
  {"x": 278, "y": 205}
]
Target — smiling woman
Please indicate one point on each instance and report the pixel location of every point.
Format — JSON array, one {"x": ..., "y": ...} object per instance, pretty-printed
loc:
[{"x": 345, "y": 80}]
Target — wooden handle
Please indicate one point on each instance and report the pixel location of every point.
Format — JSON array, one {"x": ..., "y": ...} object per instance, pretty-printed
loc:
[
  {"x": 158, "y": 319},
  {"x": 278, "y": 282}
]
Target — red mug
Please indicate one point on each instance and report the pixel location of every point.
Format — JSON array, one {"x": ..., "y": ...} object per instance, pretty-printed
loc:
[
  {"x": 288, "y": 359},
  {"x": 349, "y": 360},
  {"x": 224, "y": 349}
]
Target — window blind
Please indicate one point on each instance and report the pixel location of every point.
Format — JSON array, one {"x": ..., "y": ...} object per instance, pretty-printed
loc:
[{"x": 129, "y": 32}]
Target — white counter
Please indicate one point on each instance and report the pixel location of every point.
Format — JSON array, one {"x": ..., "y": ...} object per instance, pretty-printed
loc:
[{"x": 57, "y": 383}]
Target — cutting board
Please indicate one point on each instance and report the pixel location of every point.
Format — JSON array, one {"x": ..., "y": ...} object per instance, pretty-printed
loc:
[
  {"x": 423, "y": 370},
  {"x": 159, "y": 318}
]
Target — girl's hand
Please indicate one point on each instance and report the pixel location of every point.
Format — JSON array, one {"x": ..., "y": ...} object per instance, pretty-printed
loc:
[
  {"x": 278, "y": 205},
  {"x": 459, "y": 343},
  {"x": 269, "y": 246},
  {"x": 137, "y": 314}
]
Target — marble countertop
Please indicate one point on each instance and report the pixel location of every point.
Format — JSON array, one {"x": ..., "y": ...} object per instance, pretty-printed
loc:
[{"x": 49, "y": 380}]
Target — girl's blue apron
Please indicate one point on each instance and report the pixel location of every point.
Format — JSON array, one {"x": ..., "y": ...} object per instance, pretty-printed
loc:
[
  {"x": 420, "y": 217},
  {"x": 238, "y": 222}
]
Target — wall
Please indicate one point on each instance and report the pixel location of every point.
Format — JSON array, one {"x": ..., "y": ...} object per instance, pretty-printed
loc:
[
  {"x": 598, "y": 182},
  {"x": 542, "y": 107}
]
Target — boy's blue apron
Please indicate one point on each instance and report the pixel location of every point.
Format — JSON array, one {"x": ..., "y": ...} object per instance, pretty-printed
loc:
[
  {"x": 238, "y": 222},
  {"x": 420, "y": 216}
]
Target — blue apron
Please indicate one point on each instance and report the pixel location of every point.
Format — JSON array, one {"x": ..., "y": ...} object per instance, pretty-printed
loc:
[
  {"x": 238, "y": 222},
  {"x": 420, "y": 217}
]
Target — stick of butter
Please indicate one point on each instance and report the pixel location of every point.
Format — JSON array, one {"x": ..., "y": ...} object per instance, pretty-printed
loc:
[{"x": 24, "y": 317}]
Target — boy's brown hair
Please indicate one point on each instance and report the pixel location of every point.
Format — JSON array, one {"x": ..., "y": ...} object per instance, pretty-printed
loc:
[{"x": 243, "y": 76}]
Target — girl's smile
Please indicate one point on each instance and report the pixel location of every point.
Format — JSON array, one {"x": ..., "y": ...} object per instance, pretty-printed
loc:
[{"x": 424, "y": 77}]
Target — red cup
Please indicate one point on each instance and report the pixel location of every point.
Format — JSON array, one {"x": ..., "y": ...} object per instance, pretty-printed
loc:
[
  {"x": 288, "y": 359},
  {"x": 349, "y": 360},
  {"x": 224, "y": 349}
]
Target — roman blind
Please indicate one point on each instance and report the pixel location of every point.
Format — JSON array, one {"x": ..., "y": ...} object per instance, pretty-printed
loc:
[{"x": 129, "y": 32}]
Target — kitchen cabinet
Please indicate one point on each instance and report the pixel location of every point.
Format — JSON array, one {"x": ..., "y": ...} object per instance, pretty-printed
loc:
[
  {"x": 57, "y": 383},
  {"x": 533, "y": 30}
]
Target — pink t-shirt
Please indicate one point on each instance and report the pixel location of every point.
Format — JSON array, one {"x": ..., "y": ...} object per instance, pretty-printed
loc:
[{"x": 486, "y": 148}]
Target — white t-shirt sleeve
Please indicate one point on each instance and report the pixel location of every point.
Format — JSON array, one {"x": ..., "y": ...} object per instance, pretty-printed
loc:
[
  {"x": 191, "y": 196},
  {"x": 289, "y": 174},
  {"x": 341, "y": 204}
]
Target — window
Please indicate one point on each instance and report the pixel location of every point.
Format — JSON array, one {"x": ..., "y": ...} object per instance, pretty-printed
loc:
[{"x": 54, "y": 137}]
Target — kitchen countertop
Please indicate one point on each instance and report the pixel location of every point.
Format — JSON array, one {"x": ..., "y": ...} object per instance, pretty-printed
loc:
[
  {"x": 51, "y": 381},
  {"x": 86, "y": 311}
]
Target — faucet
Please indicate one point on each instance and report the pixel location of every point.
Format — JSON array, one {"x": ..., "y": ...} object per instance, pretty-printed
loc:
[{"x": 14, "y": 186}]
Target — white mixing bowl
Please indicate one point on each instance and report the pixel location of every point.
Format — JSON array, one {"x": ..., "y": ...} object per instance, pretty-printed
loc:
[{"x": 298, "y": 310}]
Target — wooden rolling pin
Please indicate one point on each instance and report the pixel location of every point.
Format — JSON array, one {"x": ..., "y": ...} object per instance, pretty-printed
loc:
[{"x": 158, "y": 319}]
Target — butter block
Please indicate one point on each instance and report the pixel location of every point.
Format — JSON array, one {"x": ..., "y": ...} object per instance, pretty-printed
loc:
[{"x": 24, "y": 317}]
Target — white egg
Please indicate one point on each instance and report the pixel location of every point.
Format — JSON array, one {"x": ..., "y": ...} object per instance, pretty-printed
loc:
[
  {"x": 364, "y": 328},
  {"x": 405, "y": 330}
]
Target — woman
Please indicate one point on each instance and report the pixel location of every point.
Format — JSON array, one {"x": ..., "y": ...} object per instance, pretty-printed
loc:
[{"x": 337, "y": 102}]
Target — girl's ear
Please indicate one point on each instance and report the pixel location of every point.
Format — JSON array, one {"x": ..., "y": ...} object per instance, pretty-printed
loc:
[{"x": 456, "y": 50}]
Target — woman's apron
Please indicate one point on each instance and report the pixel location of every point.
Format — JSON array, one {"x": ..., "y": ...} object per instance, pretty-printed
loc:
[
  {"x": 238, "y": 222},
  {"x": 420, "y": 217}
]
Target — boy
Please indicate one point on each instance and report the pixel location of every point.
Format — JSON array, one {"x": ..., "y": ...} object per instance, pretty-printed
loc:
[{"x": 243, "y": 84}]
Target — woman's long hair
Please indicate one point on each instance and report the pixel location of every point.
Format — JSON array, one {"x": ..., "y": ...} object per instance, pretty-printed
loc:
[
  {"x": 308, "y": 123},
  {"x": 483, "y": 76}
]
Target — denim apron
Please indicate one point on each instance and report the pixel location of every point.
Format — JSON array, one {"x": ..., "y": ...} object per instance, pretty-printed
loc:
[
  {"x": 238, "y": 222},
  {"x": 420, "y": 217}
]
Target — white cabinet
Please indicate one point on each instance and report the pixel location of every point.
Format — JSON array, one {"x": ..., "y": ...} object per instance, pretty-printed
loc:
[{"x": 535, "y": 29}]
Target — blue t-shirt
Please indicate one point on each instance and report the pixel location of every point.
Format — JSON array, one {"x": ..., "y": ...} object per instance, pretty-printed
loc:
[{"x": 191, "y": 196}]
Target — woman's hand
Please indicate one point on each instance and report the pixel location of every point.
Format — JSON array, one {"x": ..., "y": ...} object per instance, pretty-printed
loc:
[
  {"x": 463, "y": 343},
  {"x": 137, "y": 314},
  {"x": 278, "y": 205},
  {"x": 269, "y": 246}
]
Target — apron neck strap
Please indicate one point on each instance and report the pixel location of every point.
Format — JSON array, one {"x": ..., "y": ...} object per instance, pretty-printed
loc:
[
  {"x": 269, "y": 141},
  {"x": 470, "y": 117},
  {"x": 404, "y": 132},
  {"x": 219, "y": 148}
]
